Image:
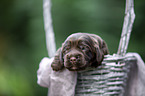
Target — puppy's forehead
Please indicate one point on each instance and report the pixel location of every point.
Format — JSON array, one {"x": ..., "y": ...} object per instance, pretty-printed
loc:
[
  {"x": 78, "y": 37},
  {"x": 74, "y": 36}
]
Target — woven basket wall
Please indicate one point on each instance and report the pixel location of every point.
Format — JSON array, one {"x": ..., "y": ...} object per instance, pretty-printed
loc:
[{"x": 109, "y": 79}]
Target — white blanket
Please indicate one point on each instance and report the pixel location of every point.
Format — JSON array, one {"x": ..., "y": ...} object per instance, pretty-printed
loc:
[
  {"x": 60, "y": 83},
  {"x": 136, "y": 83}
]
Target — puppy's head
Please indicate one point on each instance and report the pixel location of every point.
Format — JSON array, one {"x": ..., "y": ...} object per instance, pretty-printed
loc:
[{"x": 82, "y": 50}]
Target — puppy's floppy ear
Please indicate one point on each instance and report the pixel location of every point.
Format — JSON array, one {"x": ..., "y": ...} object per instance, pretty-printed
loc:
[
  {"x": 101, "y": 49},
  {"x": 57, "y": 63},
  {"x": 104, "y": 48}
]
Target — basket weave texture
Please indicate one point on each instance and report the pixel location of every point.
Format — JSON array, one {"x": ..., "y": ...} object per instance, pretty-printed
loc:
[{"x": 109, "y": 79}]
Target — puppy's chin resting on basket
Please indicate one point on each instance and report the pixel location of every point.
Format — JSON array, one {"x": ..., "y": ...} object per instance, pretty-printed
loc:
[{"x": 79, "y": 51}]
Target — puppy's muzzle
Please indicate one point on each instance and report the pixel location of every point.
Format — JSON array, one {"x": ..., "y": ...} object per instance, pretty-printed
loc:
[{"x": 74, "y": 58}]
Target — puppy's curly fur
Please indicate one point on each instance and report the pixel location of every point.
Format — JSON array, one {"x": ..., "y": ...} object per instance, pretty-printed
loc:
[{"x": 79, "y": 51}]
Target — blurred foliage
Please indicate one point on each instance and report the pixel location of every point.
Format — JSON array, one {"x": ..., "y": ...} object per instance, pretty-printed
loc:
[{"x": 22, "y": 36}]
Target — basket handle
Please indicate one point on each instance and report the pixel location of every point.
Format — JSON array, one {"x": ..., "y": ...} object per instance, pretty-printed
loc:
[
  {"x": 50, "y": 39},
  {"x": 127, "y": 27}
]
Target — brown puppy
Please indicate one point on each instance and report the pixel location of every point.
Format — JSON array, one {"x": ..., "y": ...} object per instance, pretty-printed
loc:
[{"x": 79, "y": 51}]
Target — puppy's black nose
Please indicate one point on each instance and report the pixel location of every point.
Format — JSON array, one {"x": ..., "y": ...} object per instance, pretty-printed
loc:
[{"x": 73, "y": 59}]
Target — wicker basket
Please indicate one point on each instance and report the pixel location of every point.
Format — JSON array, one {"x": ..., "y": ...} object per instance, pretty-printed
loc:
[{"x": 109, "y": 79}]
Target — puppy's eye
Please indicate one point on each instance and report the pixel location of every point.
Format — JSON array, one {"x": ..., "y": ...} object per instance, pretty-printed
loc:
[
  {"x": 66, "y": 49},
  {"x": 83, "y": 47}
]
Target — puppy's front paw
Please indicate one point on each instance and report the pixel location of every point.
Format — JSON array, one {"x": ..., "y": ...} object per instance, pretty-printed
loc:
[{"x": 56, "y": 67}]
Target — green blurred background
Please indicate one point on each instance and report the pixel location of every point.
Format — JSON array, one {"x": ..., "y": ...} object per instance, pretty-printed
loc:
[{"x": 22, "y": 36}]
